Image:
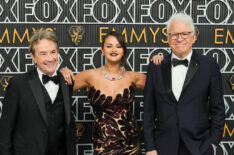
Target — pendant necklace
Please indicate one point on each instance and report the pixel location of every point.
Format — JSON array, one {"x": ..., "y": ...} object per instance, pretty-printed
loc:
[{"x": 113, "y": 79}]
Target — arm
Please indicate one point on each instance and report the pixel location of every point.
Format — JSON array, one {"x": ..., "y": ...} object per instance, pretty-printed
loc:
[
  {"x": 80, "y": 79},
  {"x": 216, "y": 104},
  {"x": 149, "y": 112},
  {"x": 139, "y": 80},
  {"x": 8, "y": 118}
]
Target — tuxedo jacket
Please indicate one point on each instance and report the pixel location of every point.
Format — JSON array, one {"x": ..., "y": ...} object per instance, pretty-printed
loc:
[
  {"x": 24, "y": 124},
  {"x": 197, "y": 117}
]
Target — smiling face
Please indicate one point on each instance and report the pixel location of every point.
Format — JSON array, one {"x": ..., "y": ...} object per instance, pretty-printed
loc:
[
  {"x": 180, "y": 46},
  {"x": 112, "y": 50},
  {"x": 46, "y": 56}
]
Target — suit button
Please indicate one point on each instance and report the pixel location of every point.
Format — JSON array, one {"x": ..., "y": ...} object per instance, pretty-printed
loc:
[{"x": 45, "y": 130}]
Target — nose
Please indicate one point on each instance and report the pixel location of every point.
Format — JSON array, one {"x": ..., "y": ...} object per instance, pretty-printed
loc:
[
  {"x": 180, "y": 38},
  {"x": 113, "y": 49},
  {"x": 49, "y": 57}
]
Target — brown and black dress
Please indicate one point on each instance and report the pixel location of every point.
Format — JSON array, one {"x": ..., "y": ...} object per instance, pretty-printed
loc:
[{"x": 115, "y": 127}]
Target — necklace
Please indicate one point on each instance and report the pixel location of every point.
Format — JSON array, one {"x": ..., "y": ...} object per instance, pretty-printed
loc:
[{"x": 113, "y": 79}]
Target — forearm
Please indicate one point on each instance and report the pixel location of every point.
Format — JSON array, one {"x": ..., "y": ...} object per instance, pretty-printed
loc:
[
  {"x": 149, "y": 113},
  {"x": 8, "y": 118},
  {"x": 216, "y": 105}
]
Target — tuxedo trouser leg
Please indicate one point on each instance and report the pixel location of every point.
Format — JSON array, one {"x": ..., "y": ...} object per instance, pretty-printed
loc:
[{"x": 183, "y": 150}]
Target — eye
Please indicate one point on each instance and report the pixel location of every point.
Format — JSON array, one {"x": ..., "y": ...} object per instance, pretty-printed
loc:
[
  {"x": 43, "y": 53},
  {"x": 185, "y": 33},
  {"x": 172, "y": 34}
]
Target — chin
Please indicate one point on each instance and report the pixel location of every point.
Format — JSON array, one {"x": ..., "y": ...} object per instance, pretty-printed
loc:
[
  {"x": 51, "y": 71},
  {"x": 114, "y": 60}
]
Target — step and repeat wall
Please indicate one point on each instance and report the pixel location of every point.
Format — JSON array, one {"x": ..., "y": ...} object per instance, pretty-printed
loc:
[{"x": 80, "y": 26}]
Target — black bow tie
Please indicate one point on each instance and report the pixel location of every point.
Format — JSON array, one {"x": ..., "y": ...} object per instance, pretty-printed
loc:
[
  {"x": 46, "y": 78},
  {"x": 176, "y": 62}
]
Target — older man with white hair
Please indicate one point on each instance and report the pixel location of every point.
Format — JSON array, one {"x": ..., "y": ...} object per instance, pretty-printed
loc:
[{"x": 184, "y": 110}]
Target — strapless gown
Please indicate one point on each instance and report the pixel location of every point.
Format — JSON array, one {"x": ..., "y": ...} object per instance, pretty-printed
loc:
[{"x": 115, "y": 128}]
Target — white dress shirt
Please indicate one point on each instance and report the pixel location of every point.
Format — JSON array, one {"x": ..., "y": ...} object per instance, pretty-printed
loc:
[
  {"x": 51, "y": 87},
  {"x": 178, "y": 74}
]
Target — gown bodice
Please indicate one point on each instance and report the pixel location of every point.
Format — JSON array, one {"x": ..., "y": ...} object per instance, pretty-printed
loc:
[{"x": 115, "y": 127}]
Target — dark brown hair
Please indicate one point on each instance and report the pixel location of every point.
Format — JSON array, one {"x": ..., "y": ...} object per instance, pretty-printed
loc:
[{"x": 121, "y": 41}]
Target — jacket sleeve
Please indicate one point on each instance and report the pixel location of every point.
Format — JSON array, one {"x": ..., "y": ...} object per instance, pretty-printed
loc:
[
  {"x": 149, "y": 111},
  {"x": 8, "y": 118},
  {"x": 216, "y": 104}
]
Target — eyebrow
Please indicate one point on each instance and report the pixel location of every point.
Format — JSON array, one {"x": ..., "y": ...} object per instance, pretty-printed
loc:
[
  {"x": 112, "y": 44},
  {"x": 46, "y": 51},
  {"x": 180, "y": 32}
]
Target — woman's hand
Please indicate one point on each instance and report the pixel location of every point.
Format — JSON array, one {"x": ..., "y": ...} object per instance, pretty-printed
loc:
[
  {"x": 157, "y": 59},
  {"x": 67, "y": 75},
  {"x": 152, "y": 153}
]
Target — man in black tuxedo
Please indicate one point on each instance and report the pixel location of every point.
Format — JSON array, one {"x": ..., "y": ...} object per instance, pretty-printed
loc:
[
  {"x": 36, "y": 115},
  {"x": 184, "y": 111}
]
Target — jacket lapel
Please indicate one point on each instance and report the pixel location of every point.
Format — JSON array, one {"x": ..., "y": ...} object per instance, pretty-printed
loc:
[
  {"x": 166, "y": 73},
  {"x": 66, "y": 98},
  {"x": 35, "y": 85},
  {"x": 193, "y": 66}
]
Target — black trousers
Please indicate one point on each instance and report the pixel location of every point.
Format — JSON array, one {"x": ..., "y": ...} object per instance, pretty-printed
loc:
[{"x": 183, "y": 150}]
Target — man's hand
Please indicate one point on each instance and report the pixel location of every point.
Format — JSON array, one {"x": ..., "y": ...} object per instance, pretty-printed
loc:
[
  {"x": 157, "y": 59},
  {"x": 154, "y": 152}
]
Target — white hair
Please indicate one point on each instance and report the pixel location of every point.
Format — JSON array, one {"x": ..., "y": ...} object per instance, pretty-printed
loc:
[{"x": 181, "y": 17}]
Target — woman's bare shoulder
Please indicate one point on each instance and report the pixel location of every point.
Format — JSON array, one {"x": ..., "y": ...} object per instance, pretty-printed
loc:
[
  {"x": 131, "y": 73},
  {"x": 138, "y": 78},
  {"x": 89, "y": 71}
]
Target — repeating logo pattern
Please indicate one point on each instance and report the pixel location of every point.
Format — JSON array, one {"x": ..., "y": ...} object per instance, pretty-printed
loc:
[
  {"x": 17, "y": 60},
  {"x": 114, "y": 11}
]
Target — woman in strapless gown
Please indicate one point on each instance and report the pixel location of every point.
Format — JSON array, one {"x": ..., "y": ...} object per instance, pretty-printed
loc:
[{"x": 112, "y": 91}]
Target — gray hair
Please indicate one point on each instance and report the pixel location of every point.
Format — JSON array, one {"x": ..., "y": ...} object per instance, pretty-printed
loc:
[
  {"x": 181, "y": 17},
  {"x": 39, "y": 35}
]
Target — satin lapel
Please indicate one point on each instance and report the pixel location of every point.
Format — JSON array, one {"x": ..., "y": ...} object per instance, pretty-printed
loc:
[
  {"x": 166, "y": 73},
  {"x": 193, "y": 66},
  {"x": 65, "y": 92},
  {"x": 35, "y": 85}
]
